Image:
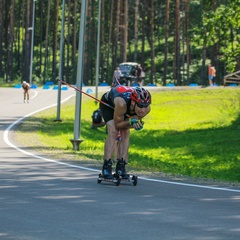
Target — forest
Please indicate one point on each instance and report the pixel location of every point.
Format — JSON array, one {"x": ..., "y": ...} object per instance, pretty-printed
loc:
[{"x": 173, "y": 40}]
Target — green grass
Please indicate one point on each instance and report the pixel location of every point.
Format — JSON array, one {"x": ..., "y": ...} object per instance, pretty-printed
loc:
[{"x": 194, "y": 133}]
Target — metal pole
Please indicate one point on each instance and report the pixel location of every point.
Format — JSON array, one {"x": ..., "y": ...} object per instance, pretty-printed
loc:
[
  {"x": 77, "y": 123},
  {"x": 60, "y": 75},
  {"x": 32, "y": 44},
  {"x": 98, "y": 46}
]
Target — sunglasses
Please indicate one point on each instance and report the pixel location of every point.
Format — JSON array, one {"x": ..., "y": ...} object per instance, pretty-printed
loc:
[{"x": 139, "y": 105}]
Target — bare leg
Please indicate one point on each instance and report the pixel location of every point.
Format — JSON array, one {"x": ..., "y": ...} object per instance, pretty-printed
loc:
[
  {"x": 110, "y": 143},
  {"x": 116, "y": 150},
  {"x": 124, "y": 144},
  {"x": 123, "y": 154}
]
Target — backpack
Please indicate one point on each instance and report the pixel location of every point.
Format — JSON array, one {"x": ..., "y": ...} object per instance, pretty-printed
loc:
[{"x": 97, "y": 116}]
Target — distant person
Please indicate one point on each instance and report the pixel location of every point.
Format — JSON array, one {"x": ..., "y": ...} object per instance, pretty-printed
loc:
[
  {"x": 211, "y": 74},
  {"x": 26, "y": 89},
  {"x": 139, "y": 72},
  {"x": 116, "y": 77}
]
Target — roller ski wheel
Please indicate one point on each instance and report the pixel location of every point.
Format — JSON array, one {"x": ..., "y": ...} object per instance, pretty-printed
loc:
[
  {"x": 117, "y": 179},
  {"x": 100, "y": 178},
  {"x": 110, "y": 178},
  {"x": 130, "y": 178},
  {"x": 134, "y": 180},
  {"x": 123, "y": 175}
]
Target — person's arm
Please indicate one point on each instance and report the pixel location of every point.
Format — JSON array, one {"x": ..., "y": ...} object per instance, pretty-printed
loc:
[{"x": 214, "y": 72}]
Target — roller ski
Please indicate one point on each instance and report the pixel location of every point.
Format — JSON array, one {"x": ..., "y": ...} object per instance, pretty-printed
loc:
[
  {"x": 107, "y": 175},
  {"x": 118, "y": 176},
  {"x": 123, "y": 175}
]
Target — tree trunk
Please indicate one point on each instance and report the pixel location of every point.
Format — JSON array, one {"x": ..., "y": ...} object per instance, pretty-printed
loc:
[
  {"x": 187, "y": 40},
  {"x": 55, "y": 39},
  {"x": 89, "y": 38},
  {"x": 74, "y": 42},
  {"x": 144, "y": 6},
  {"x": 102, "y": 43},
  {"x": 124, "y": 32},
  {"x": 46, "y": 42},
  {"x": 110, "y": 45},
  {"x": 116, "y": 34},
  {"x": 153, "y": 70},
  {"x": 177, "y": 78},
  {"x": 136, "y": 30},
  {"x": 10, "y": 41},
  {"x": 1, "y": 38},
  {"x": 27, "y": 45},
  {"x": 203, "y": 70},
  {"x": 165, "y": 69},
  {"x": 68, "y": 41},
  {"x": 41, "y": 37}
]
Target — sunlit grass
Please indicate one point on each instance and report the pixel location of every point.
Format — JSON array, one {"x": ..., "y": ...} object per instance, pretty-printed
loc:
[{"x": 191, "y": 132}]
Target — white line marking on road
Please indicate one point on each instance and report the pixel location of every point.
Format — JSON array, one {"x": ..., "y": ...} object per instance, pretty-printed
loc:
[
  {"x": 192, "y": 185},
  {"x": 35, "y": 94},
  {"x": 7, "y": 141}
]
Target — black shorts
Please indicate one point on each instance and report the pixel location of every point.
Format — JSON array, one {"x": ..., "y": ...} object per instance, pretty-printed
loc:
[{"x": 107, "y": 112}]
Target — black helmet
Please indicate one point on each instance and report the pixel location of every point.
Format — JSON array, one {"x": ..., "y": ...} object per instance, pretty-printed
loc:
[{"x": 141, "y": 96}]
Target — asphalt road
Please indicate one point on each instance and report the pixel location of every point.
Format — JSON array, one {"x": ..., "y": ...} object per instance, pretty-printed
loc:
[{"x": 45, "y": 199}]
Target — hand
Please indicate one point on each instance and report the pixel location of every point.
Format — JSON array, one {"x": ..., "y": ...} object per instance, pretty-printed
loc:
[
  {"x": 132, "y": 120},
  {"x": 136, "y": 123},
  {"x": 138, "y": 126}
]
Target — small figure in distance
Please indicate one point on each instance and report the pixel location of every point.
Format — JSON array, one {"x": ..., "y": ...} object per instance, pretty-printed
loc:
[
  {"x": 26, "y": 89},
  {"x": 116, "y": 77},
  {"x": 211, "y": 74}
]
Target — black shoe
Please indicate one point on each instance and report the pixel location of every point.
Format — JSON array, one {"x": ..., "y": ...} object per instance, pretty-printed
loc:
[
  {"x": 120, "y": 168},
  {"x": 107, "y": 169}
]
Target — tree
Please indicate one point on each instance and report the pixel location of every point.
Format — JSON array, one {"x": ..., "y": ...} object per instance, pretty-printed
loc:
[
  {"x": 1, "y": 38},
  {"x": 10, "y": 43},
  {"x": 130, "y": 30},
  {"x": 68, "y": 72},
  {"x": 27, "y": 45},
  {"x": 74, "y": 41},
  {"x": 153, "y": 70},
  {"x": 136, "y": 30},
  {"x": 55, "y": 39},
  {"x": 41, "y": 37},
  {"x": 176, "y": 63},
  {"x": 186, "y": 27},
  {"x": 46, "y": 41},
  {"x": 144, "y": 6},
  {"x": 103, "y": 56},
  {"x": 116, "y": 34},
  {"x": 166, "y": 43}
]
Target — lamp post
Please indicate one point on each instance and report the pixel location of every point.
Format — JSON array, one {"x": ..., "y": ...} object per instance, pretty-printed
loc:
[
  {"x": 32, "y": 44},
  {"x": 80, "y": 69},
  {"x": 60, "y": 75},
  {"x": 98, "y": 47}
]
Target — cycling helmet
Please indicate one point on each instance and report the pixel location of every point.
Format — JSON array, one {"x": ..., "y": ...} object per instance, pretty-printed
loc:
[{"x": 141, "y": 96}]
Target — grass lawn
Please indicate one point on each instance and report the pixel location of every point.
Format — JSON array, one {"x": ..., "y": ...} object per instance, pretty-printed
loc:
[{"x": 192, "y": 132}]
